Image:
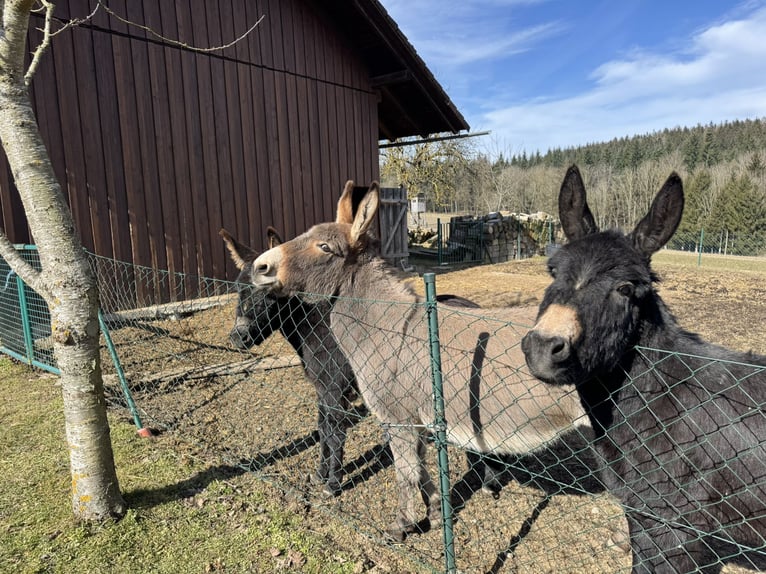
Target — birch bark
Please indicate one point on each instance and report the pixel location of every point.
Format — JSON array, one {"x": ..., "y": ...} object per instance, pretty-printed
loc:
[{"x": 66, "y": 281}]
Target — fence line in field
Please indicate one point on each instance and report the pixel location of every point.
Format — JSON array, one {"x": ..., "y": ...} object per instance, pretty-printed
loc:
[{"x": 256, "y": 409}]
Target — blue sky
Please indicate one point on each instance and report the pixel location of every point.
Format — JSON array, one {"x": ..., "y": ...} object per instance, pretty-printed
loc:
[{"x": 558, "y": 73}]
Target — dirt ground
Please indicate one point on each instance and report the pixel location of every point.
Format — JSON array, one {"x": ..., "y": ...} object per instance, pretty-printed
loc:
[{"x": 552, "y": 514}]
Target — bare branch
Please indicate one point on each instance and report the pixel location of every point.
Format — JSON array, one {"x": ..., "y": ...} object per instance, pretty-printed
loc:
[
  {"x": 43, "y": 47},
  {"x": 29, "y": 274},
  {"x": 75, "y": 21},
  {"x": 49, "y": 7},
  {"x": 176, "y": 42}
]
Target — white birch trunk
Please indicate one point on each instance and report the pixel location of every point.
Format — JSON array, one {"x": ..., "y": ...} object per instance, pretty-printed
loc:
[{"x": 66, "y": 281}]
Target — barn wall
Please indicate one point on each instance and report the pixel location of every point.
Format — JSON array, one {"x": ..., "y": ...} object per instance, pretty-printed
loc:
[{"x": 158, "y": 146}]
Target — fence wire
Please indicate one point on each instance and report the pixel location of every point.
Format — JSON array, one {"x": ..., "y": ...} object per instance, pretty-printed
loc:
[
  {"x": 25, "y": 323},
  {"x": 253, "y": 404}
]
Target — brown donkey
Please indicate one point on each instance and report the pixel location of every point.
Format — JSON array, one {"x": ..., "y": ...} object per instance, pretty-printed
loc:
[{"x": 492, "y": 403}]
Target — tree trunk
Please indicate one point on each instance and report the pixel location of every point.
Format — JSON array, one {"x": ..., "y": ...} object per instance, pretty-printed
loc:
[{"x": 66, "y": 281}]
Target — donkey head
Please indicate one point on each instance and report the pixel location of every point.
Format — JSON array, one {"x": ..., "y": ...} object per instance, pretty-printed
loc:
[
  {"x": 257, "y": 314},
  {"x": 602, "y": 287},
  {"x": 322, "y": 259}
]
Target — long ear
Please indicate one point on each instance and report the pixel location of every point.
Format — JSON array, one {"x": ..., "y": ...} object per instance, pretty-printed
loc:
[
  {"x": 365, "y": 213},
  {"x": 659, "y": 225},
  {"x": 273, "y": 238},
  {"x": 346, "y": 204},
  {"x": 240, "y": 254},
  {"x": 574, "y": 213}
]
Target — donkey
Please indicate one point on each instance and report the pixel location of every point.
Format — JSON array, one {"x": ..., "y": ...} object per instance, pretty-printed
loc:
[
  {"x": 306, "y": 326},
  {"x": 679, "y": 423},
  {"x": 492, "y": 404}
]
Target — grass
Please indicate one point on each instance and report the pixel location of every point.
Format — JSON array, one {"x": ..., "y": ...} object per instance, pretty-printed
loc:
[{"x": 185, "y": 516}]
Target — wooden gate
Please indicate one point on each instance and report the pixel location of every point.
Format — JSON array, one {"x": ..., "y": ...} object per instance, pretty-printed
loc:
[{"x": 393, "y": 224}]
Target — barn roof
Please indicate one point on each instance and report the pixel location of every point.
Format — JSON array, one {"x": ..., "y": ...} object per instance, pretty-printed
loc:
[{"x": 412, "y": 102}]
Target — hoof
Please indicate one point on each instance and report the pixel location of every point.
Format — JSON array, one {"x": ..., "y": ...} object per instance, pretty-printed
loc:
[
  {"x": 492, "y": 490},
  {"x": 315, "y": 480},
  {"x": 398, "y": 530},
  {"x": 395, "y": 534},
  {"x": 332, "y": 489},
  {"x": 435, "y": 517}
]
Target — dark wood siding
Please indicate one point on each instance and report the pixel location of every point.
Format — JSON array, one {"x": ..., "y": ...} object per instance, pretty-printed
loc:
[{"x": 157, "y": 146}]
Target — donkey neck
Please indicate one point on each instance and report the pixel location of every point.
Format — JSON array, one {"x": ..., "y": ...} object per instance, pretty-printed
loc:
[
  {"x": 604, "y": 390},
  {"x": 373, "y": 300},
  {"x": 374, "y": 279}
]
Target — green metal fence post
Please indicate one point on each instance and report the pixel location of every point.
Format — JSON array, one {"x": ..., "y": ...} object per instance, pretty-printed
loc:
[
  {"x": 439, "y": 251},
  {"x": 699, "y": 251},
  {"x": 481, "y": 243},
  {"x": 29, "y": 345},
  {"x": 440, "y": 423},
  {"x": 142, "y": 431}
]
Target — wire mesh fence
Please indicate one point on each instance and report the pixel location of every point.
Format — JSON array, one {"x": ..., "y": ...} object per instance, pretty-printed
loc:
[
  {"x": 260, "y": 384},
  {"x": 710, "y": 246},
  {"x": 24, "y": 318}
]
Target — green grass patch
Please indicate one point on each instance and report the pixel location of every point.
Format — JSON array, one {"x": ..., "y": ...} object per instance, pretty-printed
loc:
[{"x": 185, "y": 515}]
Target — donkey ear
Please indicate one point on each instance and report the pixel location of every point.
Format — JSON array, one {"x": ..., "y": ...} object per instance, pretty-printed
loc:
[
  {"x": 273, "y": 238},
  {"x": 574, "y": 213},
  {"x": 346, "y": 204},
  {"x": 659, "y": 225},
  {"x": 240, "y": 254},
  {"x": 365, "y": 213}
]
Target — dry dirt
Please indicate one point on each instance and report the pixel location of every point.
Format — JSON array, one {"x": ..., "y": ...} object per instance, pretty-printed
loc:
[{"x": 551, "y": 516}]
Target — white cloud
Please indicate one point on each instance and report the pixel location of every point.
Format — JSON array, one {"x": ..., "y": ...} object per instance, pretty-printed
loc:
[
  {"x": 453, "y": 33},
  {"x": 462, "y": 49},
  {"x": 721, "y": 76}
]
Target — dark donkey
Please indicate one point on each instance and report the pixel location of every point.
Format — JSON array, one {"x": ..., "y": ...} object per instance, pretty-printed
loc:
[
  {"x": 679, "y": 423},
  {"x": 306, "y": 327}
]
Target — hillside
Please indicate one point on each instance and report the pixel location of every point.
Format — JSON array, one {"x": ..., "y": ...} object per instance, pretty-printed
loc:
[{"x": 699, "y": 147}]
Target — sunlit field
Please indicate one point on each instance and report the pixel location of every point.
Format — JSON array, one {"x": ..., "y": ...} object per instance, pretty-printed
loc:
[{"x": 710, "y": 261}]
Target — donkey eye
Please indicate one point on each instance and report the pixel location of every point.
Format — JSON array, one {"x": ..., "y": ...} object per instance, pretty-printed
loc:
[
  {"x": 552, "y": 271},
  {"x": 324, "y": 247},
  {"x": 626, "y": 289}
]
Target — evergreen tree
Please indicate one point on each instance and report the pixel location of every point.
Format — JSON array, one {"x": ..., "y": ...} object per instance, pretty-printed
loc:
[
  {"x": 696, "y": 188},
  {"x": 741, "y": 211},
  {"x": 691, "y": 151},
  {"x": 709, "y": 154}
]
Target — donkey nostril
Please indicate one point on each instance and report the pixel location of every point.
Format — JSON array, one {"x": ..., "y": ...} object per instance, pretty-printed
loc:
[{"x": 559, "y": 348}]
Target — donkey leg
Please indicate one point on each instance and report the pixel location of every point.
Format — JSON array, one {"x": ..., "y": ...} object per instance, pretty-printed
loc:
[
  {"x": 320, "y": 476},
  {"x": 405, "y": 446},
  {"x": 332, "y": 435},
  {"x": 428, "y": 487},
  {"x": 331, "y": 423}
]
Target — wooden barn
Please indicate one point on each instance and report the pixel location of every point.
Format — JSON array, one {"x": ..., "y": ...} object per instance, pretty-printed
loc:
[{"x": 158, "y": 144}]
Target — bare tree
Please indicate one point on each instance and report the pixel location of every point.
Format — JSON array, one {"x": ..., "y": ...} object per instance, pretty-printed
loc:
[
  {"x": 429, "y": 168},
  {"x": 65, "y": 281}
]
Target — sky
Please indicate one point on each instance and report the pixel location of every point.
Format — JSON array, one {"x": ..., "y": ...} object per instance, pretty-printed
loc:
[{"x": 541, "y": 74}]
